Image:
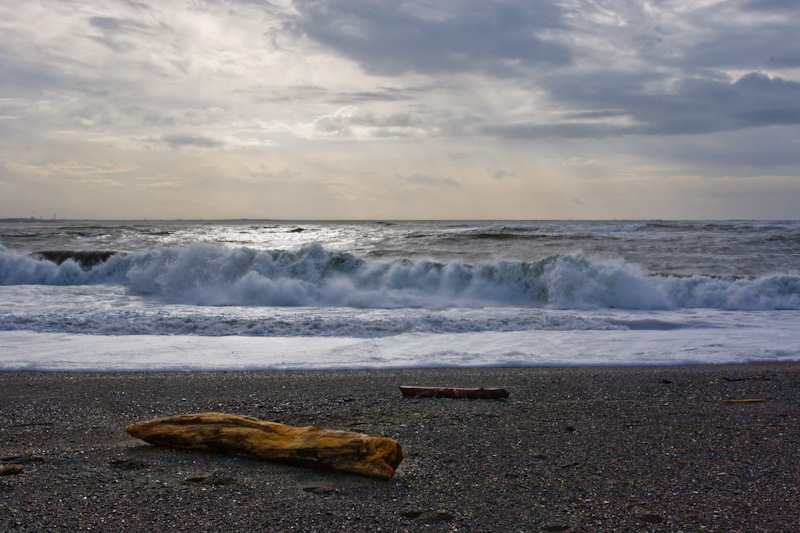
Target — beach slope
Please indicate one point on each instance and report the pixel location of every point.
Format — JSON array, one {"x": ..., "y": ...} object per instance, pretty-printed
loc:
[{"x": 571, "y": 449}]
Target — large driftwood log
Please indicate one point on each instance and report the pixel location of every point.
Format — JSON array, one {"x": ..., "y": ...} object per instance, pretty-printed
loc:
[
  {"x": 447, "y": 392},
  {"x": 340, "y": 450}
]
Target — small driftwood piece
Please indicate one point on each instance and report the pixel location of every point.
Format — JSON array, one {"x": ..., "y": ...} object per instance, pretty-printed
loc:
[
  {"x": 310, "y": 445},
  {"x": 10, "y": 470},
  {"x": 446, "y": 392},
  {"x": 743, "y": 400}
]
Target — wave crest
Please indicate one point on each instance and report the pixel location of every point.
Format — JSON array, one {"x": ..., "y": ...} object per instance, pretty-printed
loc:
[{"x": 207, "y": 274}]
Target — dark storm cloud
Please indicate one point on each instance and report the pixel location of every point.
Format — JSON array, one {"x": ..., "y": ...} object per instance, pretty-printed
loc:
[
  {"x": 769, "y": 45},
  {"x": 771, "y": 5},
  {"x": 745, "y": 35},
  {"x": 694, "y": 105},
  {"x": 679, "y": 85},
  {"x": 433, "y": 38}
]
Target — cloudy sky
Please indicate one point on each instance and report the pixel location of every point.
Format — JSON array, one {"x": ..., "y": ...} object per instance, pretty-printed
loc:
[{"x": 409, "y": 109}]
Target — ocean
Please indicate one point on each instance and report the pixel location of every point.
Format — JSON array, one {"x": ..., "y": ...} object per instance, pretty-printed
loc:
[{"x": 261, "y": 294}]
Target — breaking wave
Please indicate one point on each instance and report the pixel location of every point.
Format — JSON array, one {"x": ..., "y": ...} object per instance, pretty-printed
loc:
[{"x": 208, "y": 274}]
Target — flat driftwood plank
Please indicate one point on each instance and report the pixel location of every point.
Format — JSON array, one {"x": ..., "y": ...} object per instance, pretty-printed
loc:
[
  {"x": 448, "y": 392},
  {"x": 311, "y": 445}
]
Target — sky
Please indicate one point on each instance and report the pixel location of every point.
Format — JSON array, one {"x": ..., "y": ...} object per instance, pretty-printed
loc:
[{"x": 409, "y": 109}]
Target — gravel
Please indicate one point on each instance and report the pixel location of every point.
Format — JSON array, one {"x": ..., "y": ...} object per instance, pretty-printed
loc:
[{"x": 572, "y": 449}]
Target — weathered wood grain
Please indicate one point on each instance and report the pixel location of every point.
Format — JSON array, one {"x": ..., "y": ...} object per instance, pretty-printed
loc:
[{"x": 311, "y": 445}]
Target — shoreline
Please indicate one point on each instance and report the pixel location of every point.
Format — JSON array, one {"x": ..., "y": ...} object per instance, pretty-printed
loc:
[
  {"x": 651, "y": 448},
  {"x": 738, "y": 341}
]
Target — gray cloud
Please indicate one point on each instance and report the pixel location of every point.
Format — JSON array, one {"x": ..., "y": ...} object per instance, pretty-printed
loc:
[
  {"x": 679, "y": 85},
  {"x": 749, "y": 35},
  {"x": 116, "y": 25},
  {"x": 383, "y": 94},
  {"x": 543, "y": 131},
  {"x": 771, "y": 5},
  {"x": 773, "y": 45},
  {"x": 431, "y": 37},
  {"x": 348, "y": 91},
  {"x": 774, "y": 150},
  {"x": 178, "y": 140},
  {"x": 185, "y": 117},
  {"x": 500, "y": 174},
  {"x": 20, "y": 78},
  {"x": 119, "y": 34},
  {"x": 693, "y": 105},
  {"x": 352, "y": 122}
]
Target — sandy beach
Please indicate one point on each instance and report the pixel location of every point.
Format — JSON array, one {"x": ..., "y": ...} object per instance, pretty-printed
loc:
[{"x": 572, "y": 449}]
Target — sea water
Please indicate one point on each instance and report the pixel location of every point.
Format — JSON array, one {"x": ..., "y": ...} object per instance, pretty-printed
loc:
[{"x": 194, "y": 295}]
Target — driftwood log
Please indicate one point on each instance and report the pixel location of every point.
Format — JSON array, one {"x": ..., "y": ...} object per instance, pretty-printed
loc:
[
  {"x": 310, "y": 445},
  {"x": 446, "y": 392}
]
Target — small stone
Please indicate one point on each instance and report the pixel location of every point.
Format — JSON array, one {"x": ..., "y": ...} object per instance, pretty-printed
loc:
[
  {"x": 428, "y": 516},
  {"x": 126, "y": 464}
]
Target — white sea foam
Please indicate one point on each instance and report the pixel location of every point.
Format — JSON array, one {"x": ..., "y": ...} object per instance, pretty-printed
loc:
[
  {"x": 109, "y": 310},
  {"x": 247, "y": 295},
  {"x": 208, "y": 274},
  {"x": 23, "y": 350}
]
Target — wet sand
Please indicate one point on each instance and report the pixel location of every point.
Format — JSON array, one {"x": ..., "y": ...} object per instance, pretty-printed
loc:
[{"x": 572, "y": 449}]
